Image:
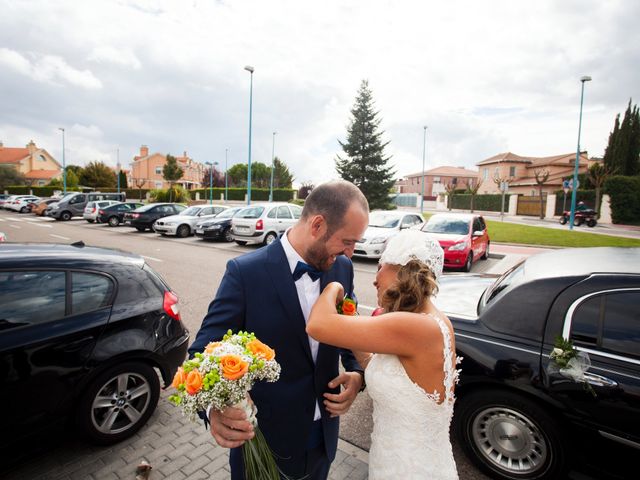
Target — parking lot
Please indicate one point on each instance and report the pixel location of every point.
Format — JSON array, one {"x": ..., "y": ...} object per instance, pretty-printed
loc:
[{"x": 175, "y": 447}]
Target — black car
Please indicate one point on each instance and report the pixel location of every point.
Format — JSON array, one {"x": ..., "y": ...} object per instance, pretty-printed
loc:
[
  {"x": 143, "y": 217},
  {"x": 516, "y": 417},
  {"x": 217, "y": 228},
  {"x": 85, "y": 334},
  {"x": 113, "y": 215}
]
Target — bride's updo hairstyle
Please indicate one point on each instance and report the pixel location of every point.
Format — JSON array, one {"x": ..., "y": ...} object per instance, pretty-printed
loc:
[{"x": 421, "y": 260}]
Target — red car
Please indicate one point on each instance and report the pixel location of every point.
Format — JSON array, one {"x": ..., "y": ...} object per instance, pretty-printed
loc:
[{"x": 463, "y": 237}]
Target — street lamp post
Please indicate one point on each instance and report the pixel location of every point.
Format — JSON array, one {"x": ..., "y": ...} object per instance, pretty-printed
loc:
[
  {"x": 273, "y": 159},
  {"x": 210, "y": 182},
  {"x": 64, "y": 166},
  {"x": 424, "y": 154},
  {"x": 226, "y": 184},
  {"x": 118, "y": 165},
  {"x": 249, "y": 69},
  {"x": 575, "y": 170}
]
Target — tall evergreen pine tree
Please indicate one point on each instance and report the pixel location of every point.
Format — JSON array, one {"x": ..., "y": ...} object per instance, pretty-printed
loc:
[
  {"x": 365, "y": 164},
  {"x": 622, "y": 155}
]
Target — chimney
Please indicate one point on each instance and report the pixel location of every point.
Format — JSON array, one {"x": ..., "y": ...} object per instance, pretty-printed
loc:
[
  {"x": 144, "y": 151},
  {"x": 31, "y": 146},
  {"x": 185, "y": 154},
  {"x": 1, "y": 144}
]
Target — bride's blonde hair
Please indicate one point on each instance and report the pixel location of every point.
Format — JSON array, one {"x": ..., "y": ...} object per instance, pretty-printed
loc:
[{"x": 415, "y": 284}]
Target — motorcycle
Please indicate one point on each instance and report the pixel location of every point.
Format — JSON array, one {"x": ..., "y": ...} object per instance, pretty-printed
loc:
[{"x": 587, "y": 216}]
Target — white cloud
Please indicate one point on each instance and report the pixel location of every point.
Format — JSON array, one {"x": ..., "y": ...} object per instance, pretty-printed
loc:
[{"x": 116, "y": 56}]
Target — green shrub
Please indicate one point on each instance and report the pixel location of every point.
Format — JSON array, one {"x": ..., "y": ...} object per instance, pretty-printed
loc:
[
  {"x": 625, "y": 198},
  {"x": 238, "y": 193},
  {"x": 176, "y": 194},
  {"x": 485, "y": 203},
  {"x": 37, "y": 191}
]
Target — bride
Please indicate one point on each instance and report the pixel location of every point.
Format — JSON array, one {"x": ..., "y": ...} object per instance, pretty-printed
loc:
[{"x": 411, "y": 373}]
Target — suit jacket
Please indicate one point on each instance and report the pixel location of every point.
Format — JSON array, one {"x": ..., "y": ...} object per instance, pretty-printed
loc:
[{"x": 257, "y": 294}]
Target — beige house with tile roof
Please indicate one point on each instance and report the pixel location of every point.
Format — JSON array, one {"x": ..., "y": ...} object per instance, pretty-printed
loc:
[
  {"x": 148, "y": 167},
  {"x": 521, "y": 171},
  {"x": 36, "y": 164},
  {"x": 435, "y": 180}
]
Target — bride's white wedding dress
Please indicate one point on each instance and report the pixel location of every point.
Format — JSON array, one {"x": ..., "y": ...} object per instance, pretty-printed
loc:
[{"x": 410, "y": 438}]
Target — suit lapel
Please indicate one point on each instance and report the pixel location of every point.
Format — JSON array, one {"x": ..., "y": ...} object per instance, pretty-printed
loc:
[{"x": 286, "y": 289}]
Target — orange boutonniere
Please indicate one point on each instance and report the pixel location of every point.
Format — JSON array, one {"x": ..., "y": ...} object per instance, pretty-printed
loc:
[{"x": 347, "y": 306}]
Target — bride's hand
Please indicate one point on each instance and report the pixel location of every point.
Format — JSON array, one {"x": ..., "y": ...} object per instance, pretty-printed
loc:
[{"x": 335, "y": 292}]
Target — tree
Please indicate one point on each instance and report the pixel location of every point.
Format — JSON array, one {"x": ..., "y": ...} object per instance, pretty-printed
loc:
[
  {"x": 10, "y": 176},
  {"x": 216, "y": 178},
  {"x": 172, "y": 172},
  {"x": 542, "y": 175},
  {"x": 598, "y": 173},
  {"x": 305, "y": 190},
  {"x": 237, "y": 175},
  {"x": 98, "y": 174},
  {"x": 282, "y": 177},
  {"x": 503, "y": 186},
  {"x": 260, "y": 175},
  {"x": 473, "y": 191},
  {"x": 139, "y": 183},
  {"x": 123, "y": 179},
  {"x": 622, "y": 154},
  {"x": 450, "y": 188},
  {"x": 365, "y": 164}
]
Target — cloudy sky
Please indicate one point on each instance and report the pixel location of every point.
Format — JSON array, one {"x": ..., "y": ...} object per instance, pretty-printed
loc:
[{"x": 484, "y": 76}]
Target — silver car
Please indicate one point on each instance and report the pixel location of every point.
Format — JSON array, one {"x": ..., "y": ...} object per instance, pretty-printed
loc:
[
  {"x": 91, "y": 211},
  {"x": 263, "y": 222},
  {"x": 384, "y": 224},
  {"x": 183, "y": 224}
]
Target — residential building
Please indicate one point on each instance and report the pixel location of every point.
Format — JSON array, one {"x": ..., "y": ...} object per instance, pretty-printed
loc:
[
  {"x": 147, "y": 169},
  {"x": 36, "y": 164},
  {"x": 435, "y": 181},
  {"x": 521, "y": 172}
]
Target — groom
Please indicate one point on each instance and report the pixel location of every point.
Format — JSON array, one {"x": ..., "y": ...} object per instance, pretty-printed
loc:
[{"x": 270, "y": 292}]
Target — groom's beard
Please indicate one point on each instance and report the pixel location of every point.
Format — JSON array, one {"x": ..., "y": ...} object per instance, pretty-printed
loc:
[{"x": 319, "y": 257}]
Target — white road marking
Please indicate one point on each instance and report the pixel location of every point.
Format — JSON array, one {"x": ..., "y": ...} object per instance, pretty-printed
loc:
[
  {"x": 15, "y": 226},
  {"x": 152, "y": 258},
  {"x": 42, "y": 225},
  {"x": 59, "y": 236}
]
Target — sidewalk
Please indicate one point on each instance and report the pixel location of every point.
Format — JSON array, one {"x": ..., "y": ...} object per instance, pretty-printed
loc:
[{"x": 175, "y": 447}]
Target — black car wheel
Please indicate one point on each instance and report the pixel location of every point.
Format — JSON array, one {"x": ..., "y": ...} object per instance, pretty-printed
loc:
[
  {"x": 119, "y": 402},
  {"x": 485, "y": 256},
  {"x": 113, "y": 221},
  {"x": 563, "y": 220},
  {"x": 241, "y": 242},
  {"x": 509, "y": 437},
  {"x": 183, "y": 231},
  {"x": 90, "y": 221},
  {"x": 141, "y": 229},
  {"x": 270, "y": 238},
  {"x": 66, "y": 216},
  {"x": 227, "y": 235},
  {"x": 24, "y": 210},
  {"x": 468, "y": 263}
]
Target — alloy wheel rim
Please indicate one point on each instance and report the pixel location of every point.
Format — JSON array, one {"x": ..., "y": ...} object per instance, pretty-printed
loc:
[
  {"x": 509, "y": 441},
  {"x": 120, "y": 403},
  {"x": 270, "y": 239}
]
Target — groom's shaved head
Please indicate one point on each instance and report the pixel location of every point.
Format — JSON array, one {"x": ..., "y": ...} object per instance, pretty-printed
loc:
[{"x": 332, "y": 200}]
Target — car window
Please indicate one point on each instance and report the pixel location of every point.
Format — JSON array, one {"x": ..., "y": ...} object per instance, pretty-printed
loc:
[
  {"x": 89, "y": 292},
  {"x": 31, "y": 297},
  {"x": 621, "y": 329},
  {"x": 91, "y": 204},
  {"x": 272, "y": 213},
  {"x": 452, "y": 226},
  {"x": 217, "y": 210},
  {"x": 297, "y": 211},
  {"x": 228, "y": 213},
  {"x": 508, "y": 279},
  {"x": 585, "y": 321},
  {"x": 410, "y": 220},
  {"x": 206, "y": 211},
  {"x": 383, "y": 220},
  {"x": 284, "y": 212},
  {"x": 477, "y": 225},
  {"x": 251, "y": 212},
  {"x": 77, "y": 199},
  {"x": 176, "y": 208}
]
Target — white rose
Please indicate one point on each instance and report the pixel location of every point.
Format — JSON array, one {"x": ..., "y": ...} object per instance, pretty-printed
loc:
[{"x": 557, "y": 352}]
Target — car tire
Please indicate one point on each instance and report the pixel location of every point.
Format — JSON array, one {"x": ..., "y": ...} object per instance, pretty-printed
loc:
[
  {"x": 592, "y": 222},
  {"x": 485, "y": 255},
  {"x": 65, "y": 216},
  {"x": 141, "y": 229},
  {"x": 113, "y": 221},
  {"x": 535, "y": 449},
  {"x": 183, "y": 231},
  {"x": 269, "y": 238},
  {"x": 226, "y": 235},
  {"x": 468, "y": 263},
  {"x": 563, "y": 220},
  {"x": 241, "y": 242},
  {"x": 90, "y": 221},
  {"x": 24, "y": 210},
  {"x": 129, "y": 409}
]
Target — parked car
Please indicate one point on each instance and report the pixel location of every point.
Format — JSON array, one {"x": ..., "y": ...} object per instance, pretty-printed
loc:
[
  {"x": 384, "y": 224},
  {"x": 39, "y": 208},
  {"x": 183, "y": 224},
  {"x": 263, "y": 222},
  {"x": 3, "y": 237},
  {"x": 463, "y": 237},
  {"x": 19, "y": 203},
  {"x": 73, "y": 205},
  {"x": 516, "y": 417},
  {"x": 113, "y": 215},
  {"x": 91, "y": 210},
  {"x": 218, "y": 227},
  {"x": 86, "y": 334},
  {"x": 3, "y": 198},
  {"x": 143, "y": 217}
]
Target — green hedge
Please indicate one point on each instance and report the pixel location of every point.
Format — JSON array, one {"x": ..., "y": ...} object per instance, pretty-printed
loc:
[
  {"x": 257, "y": 194},
  {"x": 485, "y": 203},
  {"x": 625, "y": 198},
  {"x": 586, "y": 196},
  {"x": 37, "y": 191}
]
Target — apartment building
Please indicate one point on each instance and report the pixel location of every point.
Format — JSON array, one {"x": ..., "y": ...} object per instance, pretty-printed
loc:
[{"x": 146, "y": 171}]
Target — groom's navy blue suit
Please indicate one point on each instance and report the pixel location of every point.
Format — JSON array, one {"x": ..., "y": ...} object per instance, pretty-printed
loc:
[{"x": 258, "y": 294}]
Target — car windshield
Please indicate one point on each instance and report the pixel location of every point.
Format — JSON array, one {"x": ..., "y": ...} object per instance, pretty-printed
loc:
[
  {"x": 193, "y": 211},
  {"x": 383, "y": 220},
  {"x": 452, "y": 226},
  {"x": 228, "y": 213},
  {"x": 508, "y": 279},
  {"x": 250, "y": 212},
  {"x": 91, "y": 204}
]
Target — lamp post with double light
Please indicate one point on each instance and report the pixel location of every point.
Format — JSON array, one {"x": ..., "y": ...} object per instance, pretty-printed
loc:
[
  {"x": 249, "y": 69},
  {"x": 424, "y": 154},
  {"x": 583, "y": 80},
  {"x": 273, "y": 159},
  {"x": 64, "y": 165}
]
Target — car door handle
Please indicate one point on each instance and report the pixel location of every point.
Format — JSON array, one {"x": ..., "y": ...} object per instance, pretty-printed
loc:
[{"x": 599, "y": 380}]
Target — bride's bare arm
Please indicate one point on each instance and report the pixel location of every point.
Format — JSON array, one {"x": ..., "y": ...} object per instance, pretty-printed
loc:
[{"x": 399, "y": 333}]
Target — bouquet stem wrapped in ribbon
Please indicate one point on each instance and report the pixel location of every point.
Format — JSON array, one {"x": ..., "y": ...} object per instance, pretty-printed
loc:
[
  {"x": 570, "y": 363},
  {"x": 221, "y": 377}
]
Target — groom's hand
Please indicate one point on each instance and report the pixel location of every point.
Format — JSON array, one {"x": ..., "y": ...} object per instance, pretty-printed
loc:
[
  {"x": 338, "y": 404},
  {"x": 230, "y": 427}
]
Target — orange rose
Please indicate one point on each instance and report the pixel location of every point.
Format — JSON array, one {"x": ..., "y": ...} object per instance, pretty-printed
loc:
[
  {"x": 211, "y": 347},
  {"x": 193, "y": 382},
  {"x": 261, "y": 350},
  {"x": 233, "y": 366},
  {"x": 179, "y": 378},
  {"x": 348, "y": 307}
]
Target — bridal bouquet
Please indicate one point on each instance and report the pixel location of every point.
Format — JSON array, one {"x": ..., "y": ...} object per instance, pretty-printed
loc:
[
  {"x": 221, "y": 377},
  {"x": 570, "y": 363}
]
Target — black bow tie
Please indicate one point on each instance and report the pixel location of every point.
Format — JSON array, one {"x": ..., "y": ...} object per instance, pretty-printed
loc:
[{"x": 302, "y": 268}]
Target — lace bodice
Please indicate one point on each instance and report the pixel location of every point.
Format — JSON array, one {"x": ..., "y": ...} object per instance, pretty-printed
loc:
[{"x": 410, "y": 438}]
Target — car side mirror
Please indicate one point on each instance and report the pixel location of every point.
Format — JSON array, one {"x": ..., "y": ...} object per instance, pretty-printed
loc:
[{"x": 478, "y": 233}]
